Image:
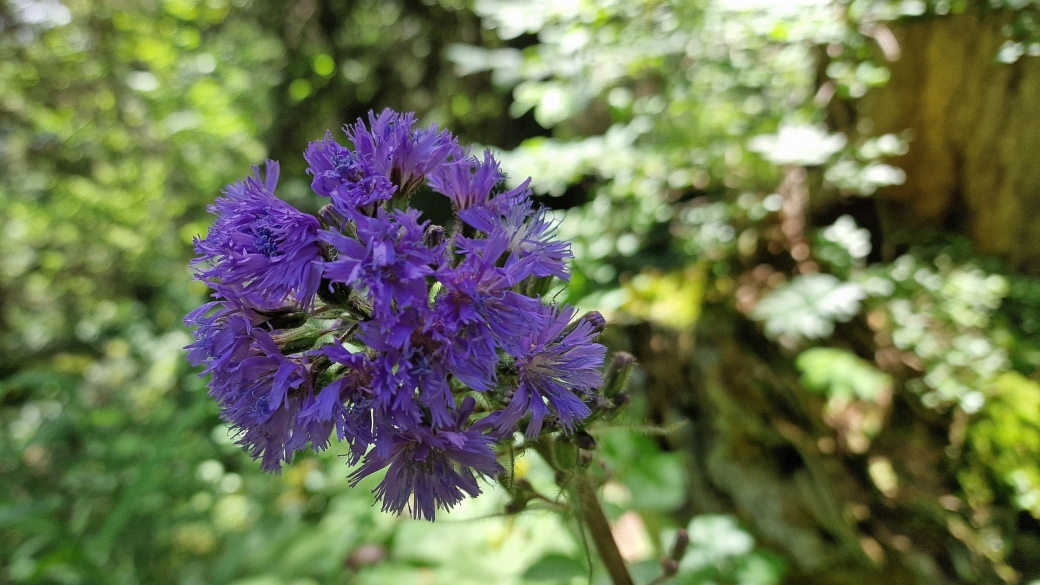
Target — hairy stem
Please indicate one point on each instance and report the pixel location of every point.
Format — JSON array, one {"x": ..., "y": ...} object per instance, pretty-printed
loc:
[
  {"x": 563, "y": 457},
  {"x": 599, "y": 528}
]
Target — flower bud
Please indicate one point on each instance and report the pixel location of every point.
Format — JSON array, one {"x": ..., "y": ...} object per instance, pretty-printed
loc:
[
  {"x": 284, "y": 317},
  {"x": 596, "y": 320},
  {"x": 336, "y": 294},
  {"x": 433, "y": 236},
  {"x": 536, "y": 286},
  {"x": 682, "y": 542},
  {"x": 584, "y": 441},
  {"x": 593, "y": 318},
  {"x": 617, "y": 374},
  {"x": 669, "y": 566},
  {"x": 330, "y": 218},
  {"x": 297, "y": 340}
]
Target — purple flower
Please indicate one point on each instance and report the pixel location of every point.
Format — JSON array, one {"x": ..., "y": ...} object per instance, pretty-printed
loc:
[
  {"x": 411, "y": 381},
  {"x": 261, "y": 244},
  {"x": 554, "y": 368},
  {"x": 431, "y": 468},
  {"x": 477, "y": 297},
  {"x": 346, "y": 403},
  {"x": 221, "y": 336},
  {"x": 392, "y": 263},
  {"x": 530, "y": 234},
  {"x": 351, "y": 181},
  {"x": 260, "y": 391},
  {"x": 403, "y": 155},
  {"x": 382, "y": 328},
  {"x": 469, "y": 182}
]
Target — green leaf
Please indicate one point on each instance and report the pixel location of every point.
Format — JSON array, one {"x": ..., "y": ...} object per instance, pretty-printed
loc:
[
  {"x": 656, "y": 480},
  {"x": 836, "y": 372},
  {"x": 808, "y": 306},
  {"x": 760, "y": 569},
  {"x": 555, "y": 567}
]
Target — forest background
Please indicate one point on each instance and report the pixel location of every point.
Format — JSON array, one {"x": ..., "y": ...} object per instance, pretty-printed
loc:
[{"x": 814, "y": 224}]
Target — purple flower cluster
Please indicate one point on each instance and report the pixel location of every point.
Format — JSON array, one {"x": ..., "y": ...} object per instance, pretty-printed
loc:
[{"x": 415, "y": 343}]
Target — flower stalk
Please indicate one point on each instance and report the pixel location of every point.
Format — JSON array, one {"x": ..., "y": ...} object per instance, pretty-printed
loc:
[
  {"x": 599, "y": 529},
  {"x": 570, "y": 459}
]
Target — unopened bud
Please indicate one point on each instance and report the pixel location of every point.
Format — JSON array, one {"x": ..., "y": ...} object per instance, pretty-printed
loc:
[
  {"x": 584, "y": 441},
  {"x": 330, "y": 218},
  {"x": 617, "y": 373},
  {"x": 284, "y": 317},
  {"x": 336, "y": 294},
  {"x": 682, "y": 542},
  {"x": 595, "y": 320},
  {"x": 515, "y": 507},
  {"x": 433, "y": 237},
  {"x": 669, "y": 566},
  {"x": 535, "y": 286},
  {"x": 297, "y": 340}
]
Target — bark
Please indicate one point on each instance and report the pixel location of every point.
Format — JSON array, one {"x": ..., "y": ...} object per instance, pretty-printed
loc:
[{"x": 974, "y": 129}]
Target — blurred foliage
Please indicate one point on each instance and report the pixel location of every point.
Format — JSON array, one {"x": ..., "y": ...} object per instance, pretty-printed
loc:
[
  {"x": 696, "y": 133},
  {"x": 119, "y": 123},
  {"x": 686, "y": 148},
  {"x": 1005, "y": 442},
  {"x": 809, "y": 305},
  {"x": 841, "y": 374},
  {"x": 721, "y": 551}
]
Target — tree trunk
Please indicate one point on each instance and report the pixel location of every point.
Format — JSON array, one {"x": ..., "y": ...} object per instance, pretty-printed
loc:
[{"x": 974, "y": 130}]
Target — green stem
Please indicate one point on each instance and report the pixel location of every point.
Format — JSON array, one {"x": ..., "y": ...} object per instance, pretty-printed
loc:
[
  {"x": 564, "y": 458},
  {"x": 599, "y": 528}
]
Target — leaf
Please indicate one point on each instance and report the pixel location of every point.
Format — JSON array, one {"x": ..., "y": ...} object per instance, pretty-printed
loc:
[
  {"x": 656, "y": 480},
  {"x": 801, "y": 145},
  {"x": 836, "y": 372},
  {"x": 717, "y": 541},
  {"x": 808, "y": 306},
  {"x": 760, "y": 568},
  {"x": 555, "y": 567},
  {"x": 720, "y": 535}
]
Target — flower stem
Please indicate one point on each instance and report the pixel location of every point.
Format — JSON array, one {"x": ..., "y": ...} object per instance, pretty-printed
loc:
[
  {"x": 571, "y": 472},
  {"x": 599, "y": 528}
]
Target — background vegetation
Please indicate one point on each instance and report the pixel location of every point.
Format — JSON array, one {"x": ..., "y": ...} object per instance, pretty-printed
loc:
[{"x": 813, "y": 222}]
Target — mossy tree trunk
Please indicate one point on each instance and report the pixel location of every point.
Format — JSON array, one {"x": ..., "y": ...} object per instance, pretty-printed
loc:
[{"x": 973, "y": 125}]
